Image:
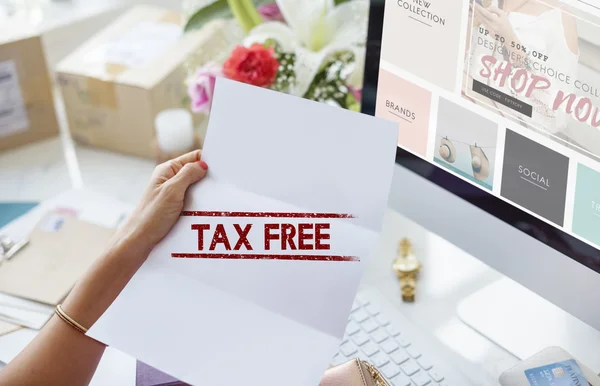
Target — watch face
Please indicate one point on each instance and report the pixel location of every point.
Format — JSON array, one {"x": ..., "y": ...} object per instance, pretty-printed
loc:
[{"x": 407, "y": 264}]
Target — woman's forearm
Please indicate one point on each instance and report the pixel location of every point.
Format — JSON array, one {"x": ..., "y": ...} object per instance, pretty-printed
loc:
[
  {"x": 61, "y": 355},
  {"x": 105, "y": 280}
]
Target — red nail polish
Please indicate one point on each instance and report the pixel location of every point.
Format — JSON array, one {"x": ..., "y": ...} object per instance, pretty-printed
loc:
[{"x": 203, "y": 165}]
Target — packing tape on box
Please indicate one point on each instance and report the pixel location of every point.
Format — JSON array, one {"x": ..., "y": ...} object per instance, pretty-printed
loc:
[{"x": 102, "y": 93}]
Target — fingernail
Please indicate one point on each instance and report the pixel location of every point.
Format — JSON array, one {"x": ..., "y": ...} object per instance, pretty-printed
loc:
[{"x": 203, "y": 165}]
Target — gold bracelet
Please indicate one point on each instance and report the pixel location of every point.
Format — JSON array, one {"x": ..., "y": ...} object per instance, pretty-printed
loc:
[{"x": 67, "y": 319}]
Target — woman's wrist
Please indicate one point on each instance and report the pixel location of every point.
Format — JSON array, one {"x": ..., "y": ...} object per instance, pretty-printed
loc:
[
  {"x": 130, "y": 244},
  {"x": 96, "y": 291},
  {"x": 132, "y": 239}
]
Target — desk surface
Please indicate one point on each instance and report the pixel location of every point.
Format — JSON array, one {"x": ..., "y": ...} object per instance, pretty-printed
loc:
[
  {"x": 42, "y": 170},
  {"x": 447, "y": 277}
]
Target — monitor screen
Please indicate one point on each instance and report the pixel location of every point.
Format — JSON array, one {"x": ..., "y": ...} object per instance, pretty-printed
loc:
[{"x": 498, "y": 102}]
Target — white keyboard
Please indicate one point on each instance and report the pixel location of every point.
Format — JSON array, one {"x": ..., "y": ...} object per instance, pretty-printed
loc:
[{"x": 378, "y": 333}]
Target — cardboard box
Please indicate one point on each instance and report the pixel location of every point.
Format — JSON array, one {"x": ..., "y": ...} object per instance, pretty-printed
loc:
[
  {"x": 114, "y": 84},
  {"x": 64, "y": 27},
  {"x": 26, "y": 102}
]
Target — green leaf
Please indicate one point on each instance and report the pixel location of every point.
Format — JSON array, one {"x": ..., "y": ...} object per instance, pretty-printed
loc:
[
  {"x": 239, "y": 11},
  {"x": 251, "y": 8},
  {"x": 186, "y": 101},
  {"x": 217, "y": 10},
  {"x": 352, "y": 103},
  {"x": 338, "y": 2}
]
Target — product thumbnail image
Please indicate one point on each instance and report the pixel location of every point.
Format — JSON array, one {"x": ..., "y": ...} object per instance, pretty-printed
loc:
[{"x": 465, "y": 143}]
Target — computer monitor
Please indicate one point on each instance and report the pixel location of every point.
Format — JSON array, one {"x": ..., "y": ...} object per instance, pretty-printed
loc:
[{"x": 497, "y": 103}]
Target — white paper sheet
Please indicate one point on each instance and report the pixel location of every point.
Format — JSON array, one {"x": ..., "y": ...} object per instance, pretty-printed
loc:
[
  {"x": 12, "y": 344},
  {"x": 13, "y": 111},
  {"x": 261, "y": 322},
  {"x": 96, "y": 208},
  {"x": 142, "y": 44},
  {"x": 24, "y": 312}
]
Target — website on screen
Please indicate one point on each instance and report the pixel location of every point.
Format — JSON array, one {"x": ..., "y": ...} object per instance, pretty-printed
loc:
[{"x": 504, "y": 94}]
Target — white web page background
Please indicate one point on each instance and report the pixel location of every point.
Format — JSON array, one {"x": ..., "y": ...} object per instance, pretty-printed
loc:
[{"x": 437, "y": 92}]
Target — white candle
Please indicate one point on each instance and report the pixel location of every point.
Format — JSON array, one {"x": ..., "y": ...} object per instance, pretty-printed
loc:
[{"x": 174, "y": 131}]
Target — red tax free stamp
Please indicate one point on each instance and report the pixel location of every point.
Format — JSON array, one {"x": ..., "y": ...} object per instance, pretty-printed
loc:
[{"x": 264, "y": 236}]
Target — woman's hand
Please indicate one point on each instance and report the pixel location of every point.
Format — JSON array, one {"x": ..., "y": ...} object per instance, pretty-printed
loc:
[
  {"x": 495, "y": 20},
  {"x": 162, "y": 202}
]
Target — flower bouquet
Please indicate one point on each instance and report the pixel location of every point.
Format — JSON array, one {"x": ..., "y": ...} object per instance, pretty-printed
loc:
[{"x": 309, "y": 48}]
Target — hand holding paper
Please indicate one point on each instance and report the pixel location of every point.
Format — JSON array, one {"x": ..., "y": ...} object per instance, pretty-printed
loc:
[
  {"x": 255, "y": 281},
  {"x": 163, "y": 199}
]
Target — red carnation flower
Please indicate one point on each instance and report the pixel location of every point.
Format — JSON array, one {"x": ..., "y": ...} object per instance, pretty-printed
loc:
[{"x": 254, "y": 65}]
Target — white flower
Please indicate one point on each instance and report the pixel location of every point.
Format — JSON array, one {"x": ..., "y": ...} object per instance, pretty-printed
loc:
[{"x": 315, "y": 29}]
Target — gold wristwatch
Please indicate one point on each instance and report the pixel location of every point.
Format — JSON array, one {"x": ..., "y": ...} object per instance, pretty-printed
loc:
[{"x": 407, "y": 268}]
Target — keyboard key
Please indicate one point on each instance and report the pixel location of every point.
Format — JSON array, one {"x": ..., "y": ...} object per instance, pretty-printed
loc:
[
  {"x": 413, "y": 352},
  {"x": 371, "y": 336},
  {"x": 401, "y": 380},
  {"x": 369, "y": 325},
  {"x": 389, "y": 346},
  {"x": 421, "y": 378},
  {"x": 380, "y": 359},
  {"x": 425, "y": 363},
  {"x": 348, "y": 349},
  {"x": 363, "y": 357},
  {"x": 339, "y": 359},
  {"x": 362, "y": 300},
  {"x": 409, "y": 367},
  {"x": 435, "y": 376},
  {"x": 352, "y": 328},
  {"x": 360, "y": 315},
  {"x": 370, "y": 348},
  {"x": 371, "y": 309},
  {"x": 382, "y": 320},
  {"x": 390, "y": 370},
  {"x": 393, "y": 330},
  {"x": 399, "y": 356},
  {"x": 402, "y": 341},
  {"x": 360, "y": 338},
  {"x": 379, "y": 336}
]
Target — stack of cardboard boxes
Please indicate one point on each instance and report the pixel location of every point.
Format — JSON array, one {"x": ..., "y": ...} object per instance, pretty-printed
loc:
[{"x": 113, "y": 85}]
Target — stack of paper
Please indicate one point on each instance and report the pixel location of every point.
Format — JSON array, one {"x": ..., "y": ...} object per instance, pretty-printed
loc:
[
  {"x": 116, "y": 368},
  {"x": 93, "y": 212},
  {"x": 60, "y": 250}
]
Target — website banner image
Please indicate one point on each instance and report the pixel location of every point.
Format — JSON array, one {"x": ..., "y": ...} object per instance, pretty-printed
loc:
[{"x": 538, "y": 65}]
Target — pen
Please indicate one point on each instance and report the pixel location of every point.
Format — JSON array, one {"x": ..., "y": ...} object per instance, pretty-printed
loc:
[
  {"x": 15, "y": 248},
  {"x": 10, "y": 248}
]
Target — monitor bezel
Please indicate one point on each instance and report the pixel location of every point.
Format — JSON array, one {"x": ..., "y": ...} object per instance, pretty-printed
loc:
[{"x": 540, "y": 230}]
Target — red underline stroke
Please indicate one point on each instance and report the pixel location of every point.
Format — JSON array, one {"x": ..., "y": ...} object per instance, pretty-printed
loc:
[
  {"x": 264, "y": 214},
  {"x": 250, "y": 256}
]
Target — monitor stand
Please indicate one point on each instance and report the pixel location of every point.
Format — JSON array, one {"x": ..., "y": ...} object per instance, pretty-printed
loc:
[{"x": 524, "y": 323}]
